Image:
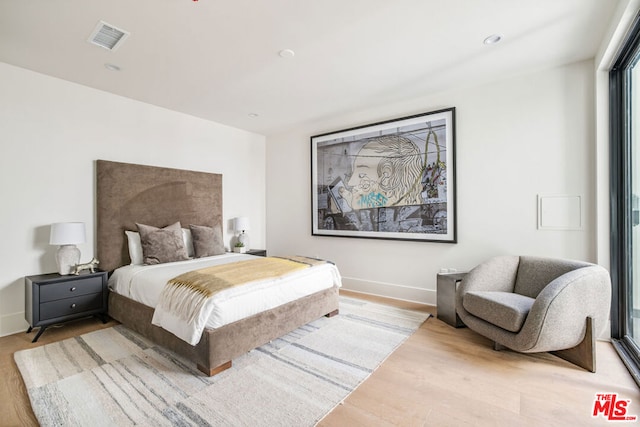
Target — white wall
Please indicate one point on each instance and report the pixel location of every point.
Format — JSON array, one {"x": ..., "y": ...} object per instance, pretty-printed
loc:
[
  {"x": 516, "y": 138},
  {"x": 51, "y": 133}
]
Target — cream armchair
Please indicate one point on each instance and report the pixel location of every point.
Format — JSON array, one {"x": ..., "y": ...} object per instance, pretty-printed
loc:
[{"x": 531, "y": 304}]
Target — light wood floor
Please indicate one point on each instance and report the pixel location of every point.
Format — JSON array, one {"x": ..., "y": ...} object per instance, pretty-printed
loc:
[{"x": 441, "y": 376}]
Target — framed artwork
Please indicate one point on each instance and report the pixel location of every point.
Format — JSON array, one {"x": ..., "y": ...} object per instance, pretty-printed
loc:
[{"x": 389, "y": 180}]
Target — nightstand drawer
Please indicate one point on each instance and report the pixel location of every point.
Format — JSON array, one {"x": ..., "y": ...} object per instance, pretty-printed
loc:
[
  {"x": 70, "y": 306},
  {"x": 84, "y": 286}
]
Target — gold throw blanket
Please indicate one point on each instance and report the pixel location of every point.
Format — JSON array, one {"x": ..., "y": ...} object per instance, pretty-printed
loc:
[{"x": 186, "y": 294}]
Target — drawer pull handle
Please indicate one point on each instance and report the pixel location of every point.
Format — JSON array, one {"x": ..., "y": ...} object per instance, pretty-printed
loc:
[
  {"x": 72, "y": 289},
  {"x": 73, "y": 305}
]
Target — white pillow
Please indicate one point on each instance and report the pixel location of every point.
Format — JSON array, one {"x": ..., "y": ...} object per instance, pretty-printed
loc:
[
  {"x": 135, "y": 245},
  {"x": 188, "y": 242}
]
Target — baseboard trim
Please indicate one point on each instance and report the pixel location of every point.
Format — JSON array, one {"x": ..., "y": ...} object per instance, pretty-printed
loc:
[
  {"x": 12, "y": 323},
  {"x": 390, "y": 290}
]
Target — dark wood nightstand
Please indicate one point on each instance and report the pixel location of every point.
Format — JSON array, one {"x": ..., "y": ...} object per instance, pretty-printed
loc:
[
  {"x": 52, "y": 298},
  {"x": 257, "y": 252}
]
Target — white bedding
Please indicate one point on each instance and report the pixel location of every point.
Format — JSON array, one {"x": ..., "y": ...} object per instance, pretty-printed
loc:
[{"x": 144, "y": 283}]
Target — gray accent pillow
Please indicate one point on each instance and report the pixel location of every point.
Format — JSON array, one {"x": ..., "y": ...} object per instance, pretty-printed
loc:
[
  {"x": 160, "y": 245},
  {"x": 207, "y": 241}
]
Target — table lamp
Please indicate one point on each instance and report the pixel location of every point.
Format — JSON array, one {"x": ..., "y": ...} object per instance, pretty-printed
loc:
[
  {"x": 241, "y": 224},
  {"x": 67, "y": 235}
]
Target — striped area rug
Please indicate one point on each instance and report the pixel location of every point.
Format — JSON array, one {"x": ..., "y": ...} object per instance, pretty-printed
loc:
[{"x": 114, "y": 377}]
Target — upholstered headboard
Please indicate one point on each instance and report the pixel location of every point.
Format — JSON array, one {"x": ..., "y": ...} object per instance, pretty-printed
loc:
[{"x": 128, "y": 193}]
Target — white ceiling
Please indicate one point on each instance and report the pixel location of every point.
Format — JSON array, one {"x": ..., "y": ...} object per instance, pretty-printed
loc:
[{"x": 218, "y": 59}]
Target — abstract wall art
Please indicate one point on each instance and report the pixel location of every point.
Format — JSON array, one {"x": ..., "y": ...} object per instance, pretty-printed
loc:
[{"x": 388, "y": 180}]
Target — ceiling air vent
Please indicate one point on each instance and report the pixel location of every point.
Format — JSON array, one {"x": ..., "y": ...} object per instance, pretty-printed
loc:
[{"x": 107, "y": 36}]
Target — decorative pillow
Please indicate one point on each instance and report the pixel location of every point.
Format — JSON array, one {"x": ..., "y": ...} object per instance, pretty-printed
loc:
[
  {"x": 188, "y": 242},
  {"x": 207, "y": 241},
  {"x": 135, "y": 247},
  {"x": 160, "y": 245}
]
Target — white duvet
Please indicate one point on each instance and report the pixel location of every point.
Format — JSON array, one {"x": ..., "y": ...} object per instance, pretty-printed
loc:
[{"x": 144, "y": 283}]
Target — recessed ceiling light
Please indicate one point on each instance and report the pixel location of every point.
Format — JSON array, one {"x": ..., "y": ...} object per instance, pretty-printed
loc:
[
  {"x": 111, "y": 67},
  {"x": 253, "y": 115},
  {"x": 287, "y": 53},
  {"x": 492, "y": 39}
]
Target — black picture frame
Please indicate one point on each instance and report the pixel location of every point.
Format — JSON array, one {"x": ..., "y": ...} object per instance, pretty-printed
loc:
[{"x": 394, "y": 179}]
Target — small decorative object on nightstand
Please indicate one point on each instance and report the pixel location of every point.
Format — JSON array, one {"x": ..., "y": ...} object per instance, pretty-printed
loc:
[
  {"x": 54, "y": 298},
  {"x": 257, "y": 252},
  {"x": 239, "y": 248},
  {"x": 447, "y": 284},
  {"x": 91, "y": 266}
]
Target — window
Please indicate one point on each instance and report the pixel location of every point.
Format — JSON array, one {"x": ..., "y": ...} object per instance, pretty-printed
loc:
[{"x": 624, "y": 85}]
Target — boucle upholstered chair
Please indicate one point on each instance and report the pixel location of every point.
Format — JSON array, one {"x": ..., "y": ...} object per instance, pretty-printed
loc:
[{"x": 531, "y": 304}]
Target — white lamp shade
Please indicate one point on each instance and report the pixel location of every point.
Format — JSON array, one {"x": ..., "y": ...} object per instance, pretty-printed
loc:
[
  {"x": 241, "y": 223},
  {"x": 67, "y": 233}
]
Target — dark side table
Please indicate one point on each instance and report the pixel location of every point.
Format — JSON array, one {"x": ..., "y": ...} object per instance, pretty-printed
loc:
[
  {"x": 446, "y": 286},
  {"x": 52, "y": 298}
]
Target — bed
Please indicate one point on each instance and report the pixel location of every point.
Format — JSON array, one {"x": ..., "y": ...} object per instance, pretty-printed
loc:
[{"x": 128, "y": 194}]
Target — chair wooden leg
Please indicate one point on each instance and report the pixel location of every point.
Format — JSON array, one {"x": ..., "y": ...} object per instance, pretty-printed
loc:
[
  {"x": 584, "y": 354},
  {"x": 498, "y": 347}
]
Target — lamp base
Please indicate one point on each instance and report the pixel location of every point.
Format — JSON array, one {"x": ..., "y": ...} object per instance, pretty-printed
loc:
[
  {"x": 67, "y": 257},
  {"x": 244, "y": 239}
]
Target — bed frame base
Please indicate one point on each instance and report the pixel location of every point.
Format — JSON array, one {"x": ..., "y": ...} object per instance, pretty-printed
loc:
[
  {"x": 217, "y": 347},
  {"x": 225, "y": 366},
  {"x": 214, "y": 371}
]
